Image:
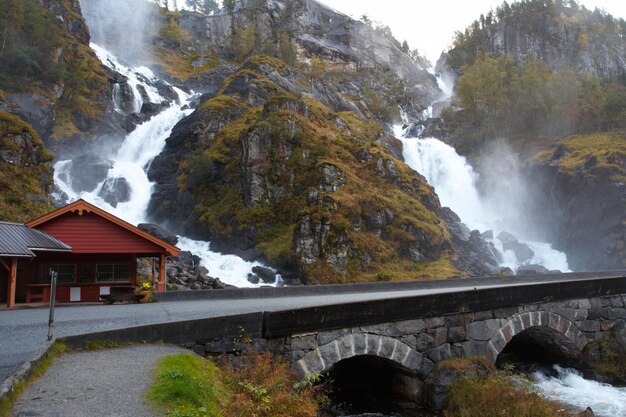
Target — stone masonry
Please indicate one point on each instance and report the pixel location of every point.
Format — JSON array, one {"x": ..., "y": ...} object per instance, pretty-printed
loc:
[{"x": 419, "y": 344}]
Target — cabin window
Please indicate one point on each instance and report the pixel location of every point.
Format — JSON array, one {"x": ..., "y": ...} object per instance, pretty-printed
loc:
[
  {"x": 85, "y": 273},
  {"x": 112, "y": 273},
  {"x": 66, "y": 273}
]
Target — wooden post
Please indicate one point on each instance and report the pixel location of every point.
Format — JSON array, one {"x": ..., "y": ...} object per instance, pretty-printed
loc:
[
  {"x": 12, "y": 281},
  {"x": 161, "y": 283}
]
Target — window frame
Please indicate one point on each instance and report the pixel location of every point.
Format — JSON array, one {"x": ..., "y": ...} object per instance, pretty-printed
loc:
[
  {"x": 125, "y": 279},
  {"x": 45, "y": 272}
]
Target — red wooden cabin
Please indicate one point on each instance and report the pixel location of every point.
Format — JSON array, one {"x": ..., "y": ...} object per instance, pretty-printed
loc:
[{"x": 104, "y": 254}]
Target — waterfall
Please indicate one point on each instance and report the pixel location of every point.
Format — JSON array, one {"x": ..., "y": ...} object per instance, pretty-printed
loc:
[
  {"x": 455, "y": 183},
  {"x": 129, "y": 164},
  {"x": 571, "y": 388}
]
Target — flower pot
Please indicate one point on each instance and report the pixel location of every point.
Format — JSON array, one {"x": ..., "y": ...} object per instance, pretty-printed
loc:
[{"x": 145, "y": 296}]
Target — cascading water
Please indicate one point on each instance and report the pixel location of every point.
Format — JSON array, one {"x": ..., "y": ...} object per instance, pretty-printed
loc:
[
  {"x": 571, "y": 388},
  {"x": 130, "y": 162},
  {"x": 455, "y": 182}
]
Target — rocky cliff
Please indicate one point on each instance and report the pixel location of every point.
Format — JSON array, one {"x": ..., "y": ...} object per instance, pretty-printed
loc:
[
  {"x": 561, "y": 34},
  {"x": 307, "y": 32},
  {"x": 581, "y": 193},
  {"x": 265, "y": 170}
]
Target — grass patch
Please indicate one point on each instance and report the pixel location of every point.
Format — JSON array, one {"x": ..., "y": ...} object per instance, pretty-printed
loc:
[
  {"x": 8, "y": 402},
  {"x": 608, "y": 149},
  {"x": 180, "y": 64},
  {"x": 190, "y": 386}
]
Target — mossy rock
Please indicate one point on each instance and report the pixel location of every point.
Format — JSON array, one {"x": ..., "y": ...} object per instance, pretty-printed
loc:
[
  {"x": 594, "y": 155},
  {"x": 605, "y": 360}
]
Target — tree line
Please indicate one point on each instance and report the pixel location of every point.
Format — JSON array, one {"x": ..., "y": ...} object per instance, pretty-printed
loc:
[{"x": 501, "y": 98}]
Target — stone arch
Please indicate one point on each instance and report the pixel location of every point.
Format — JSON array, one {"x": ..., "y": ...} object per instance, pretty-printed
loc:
[
  {"x": 572, "y": 337},
  {"x": 351, "y": 345}
]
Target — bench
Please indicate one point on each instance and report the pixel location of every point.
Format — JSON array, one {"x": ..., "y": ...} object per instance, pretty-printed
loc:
[
  {"x": 32, "y": 296},
  {"x": 121, "y": 294}
]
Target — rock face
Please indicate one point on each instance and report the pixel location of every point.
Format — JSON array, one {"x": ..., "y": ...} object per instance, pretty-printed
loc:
[
  {"x": 264, "y": 170},
  {"x": 562, "y": 36},
  {"x": 474, "y": 253},
  {"x": 322, "y": 32},
  {"x": 584, "y": 206}
]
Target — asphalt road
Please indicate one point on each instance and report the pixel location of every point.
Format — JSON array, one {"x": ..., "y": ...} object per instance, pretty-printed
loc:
[{"x": 23, "y": 332}]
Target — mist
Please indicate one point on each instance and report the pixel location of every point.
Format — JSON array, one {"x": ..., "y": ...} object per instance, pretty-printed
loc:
[
  {"x": 505, "y": 192},
  {"x": 124, "y": 27}
]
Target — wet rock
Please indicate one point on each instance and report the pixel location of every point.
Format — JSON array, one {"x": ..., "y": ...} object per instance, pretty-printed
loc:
[
  {"x": 253, "y": 279},
  {"x": 267, "y": 275},
  {"x": 507, "y": 239},
  {"x": 171, "y": 238},
  {"x": 124, "y": 96},
  {"x": 87, "y": 171},
  {"x": 522, "y": 252},
  {"x": 115, "y": 190},
  {"x": 487, "y": 234},
  {"x": 586, "y": 413}
]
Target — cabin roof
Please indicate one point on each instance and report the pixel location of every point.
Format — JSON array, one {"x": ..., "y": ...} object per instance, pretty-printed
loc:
[
  {"x": 81, "y": 207},
  {"x": 19, "y": 240}
]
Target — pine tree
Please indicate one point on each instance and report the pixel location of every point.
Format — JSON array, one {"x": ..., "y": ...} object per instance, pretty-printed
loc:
[
  {"x": 194, "y": 4},
  {"x": 209, "y": 7},
  {"x": 229, "y": 5}
]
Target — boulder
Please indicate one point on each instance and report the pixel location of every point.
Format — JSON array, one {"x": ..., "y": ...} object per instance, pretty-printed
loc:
[
  {"x": 87, "y": 171},
  {"x": 507, "y": 239},
  {"x": 266, "y": 275},
  {"x": 522, "y": 251},
  {"x": 115, "y": 190},
  {"x": 253, "y": 279},
  {"x": 172, "y": 239},
  {"x": 588, "y": 412}
]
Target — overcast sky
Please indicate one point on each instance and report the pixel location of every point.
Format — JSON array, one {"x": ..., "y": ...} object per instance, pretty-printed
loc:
[{"x": 429, "y": 25}]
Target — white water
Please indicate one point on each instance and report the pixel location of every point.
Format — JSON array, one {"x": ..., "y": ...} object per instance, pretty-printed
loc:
[
  {"x": 131, "y": 162},
  {"x": 454, "y": 181},
  {"x": 571, "y": 388}
]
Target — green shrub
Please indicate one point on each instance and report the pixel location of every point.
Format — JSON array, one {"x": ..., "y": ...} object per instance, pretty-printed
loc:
[{"x": 497, "y": 394}]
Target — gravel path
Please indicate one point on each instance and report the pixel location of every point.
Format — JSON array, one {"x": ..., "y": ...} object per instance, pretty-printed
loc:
[{"x": 102, "y": 383}]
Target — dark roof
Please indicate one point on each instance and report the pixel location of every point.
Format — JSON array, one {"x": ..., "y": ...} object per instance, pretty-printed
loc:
[{"x": 19, "y": 240}]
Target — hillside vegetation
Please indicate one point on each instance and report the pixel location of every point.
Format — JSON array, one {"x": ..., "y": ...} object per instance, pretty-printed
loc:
[
  {"x": 45, "y": 52},
  {"x": 25, "y": 172}
]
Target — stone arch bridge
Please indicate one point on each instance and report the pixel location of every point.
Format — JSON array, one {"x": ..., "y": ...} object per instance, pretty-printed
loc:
[{"x": 410, "y": 326}]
